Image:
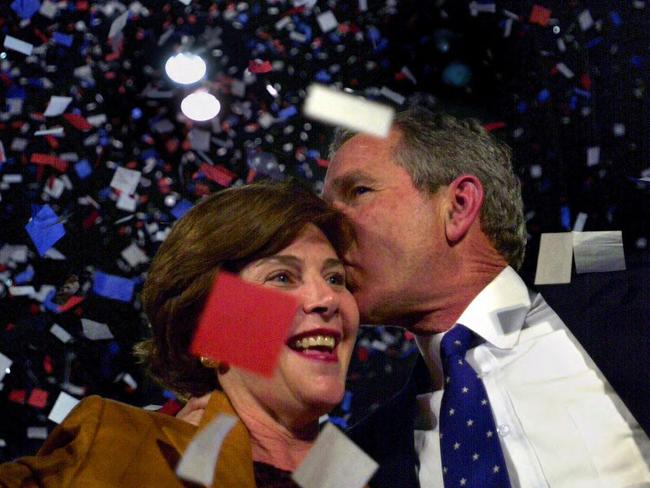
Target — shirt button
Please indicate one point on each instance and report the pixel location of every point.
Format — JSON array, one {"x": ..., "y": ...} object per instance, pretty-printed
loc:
[{"x": 503, "y": 430}]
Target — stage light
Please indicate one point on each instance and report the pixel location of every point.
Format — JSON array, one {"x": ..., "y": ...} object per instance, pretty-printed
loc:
[
  {"x": 200, "y": 106},
  {"x": 185, "y": 68}
]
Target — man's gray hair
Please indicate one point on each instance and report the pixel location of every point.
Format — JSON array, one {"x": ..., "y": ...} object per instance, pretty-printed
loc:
[{"x": 436, "y": 148}]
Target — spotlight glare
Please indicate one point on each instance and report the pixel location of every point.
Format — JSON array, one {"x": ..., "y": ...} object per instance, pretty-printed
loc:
[
  {"x": 200, "y": 106},
  {"x": 185, "y": 68}
]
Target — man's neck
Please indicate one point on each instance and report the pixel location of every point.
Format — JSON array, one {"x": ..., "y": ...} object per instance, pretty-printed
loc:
[{"x": 460, "y": 290}]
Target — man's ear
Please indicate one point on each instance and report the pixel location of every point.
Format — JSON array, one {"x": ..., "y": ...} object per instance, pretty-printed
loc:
[{"x": 464, "y": 198}]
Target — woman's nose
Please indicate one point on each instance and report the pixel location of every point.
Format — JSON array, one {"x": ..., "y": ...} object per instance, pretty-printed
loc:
[{"x": 319, "y": 297}]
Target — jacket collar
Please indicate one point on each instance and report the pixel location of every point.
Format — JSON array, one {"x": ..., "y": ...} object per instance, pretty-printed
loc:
[{"x": 236, "y": 447}]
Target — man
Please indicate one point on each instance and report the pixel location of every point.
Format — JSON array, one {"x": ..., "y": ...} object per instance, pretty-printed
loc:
[{"x": 439, "y": 226}]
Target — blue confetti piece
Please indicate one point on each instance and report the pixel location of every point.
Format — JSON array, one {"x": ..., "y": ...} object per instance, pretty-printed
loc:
[
  {"x": 181, "y": 208},
  {"x": 24, "y": 277},
  {"x": 287, "y": 113},
  {"x": 113, "y": 348},
  {"x": 544, "y": 96},
  {"x": 522, "y": 107},
  {"x": 636, "y": 61},
  {"x": 44, "y": 229},
  {"x": 16, "y": 92},
  {"x": 136, "y": 114},
  {"x": 347, "y": 401},
  {"x": 323, "y": 76},
  {"x": 573, "y": 102},
  {"x": 615, "y": 18},
  {"x": 113, "y": 287},
  {"x": 339, "y": 422},
  {"x": 63, "y": 39},
  {"x": 83, "y": 169},
  {"x": 49, "y": 304},
  {"x": 594, "y": 42},
  {"x": 582, "y": 93},
  {"x": 565, "y": 217},
  {"x": 25, "y": 8}
]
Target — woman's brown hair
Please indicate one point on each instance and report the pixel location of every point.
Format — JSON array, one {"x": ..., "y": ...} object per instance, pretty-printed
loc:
[{"x": 226, "y": 230}]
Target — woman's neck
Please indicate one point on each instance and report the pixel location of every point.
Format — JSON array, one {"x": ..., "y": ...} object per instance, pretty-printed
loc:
[
  {"x": 279, "y": 440},
  {"x": 274, "y": 443}
]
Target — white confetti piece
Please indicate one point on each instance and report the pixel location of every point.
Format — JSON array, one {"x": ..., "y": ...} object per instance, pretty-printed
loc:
[
  {"x": 200, "y": 457},
  {"x": 334, "y": 461},
  {"x": 57, "y": 106},
  {"x": 118, "y": 24},
  {"x": 5, "y": 364},
  {"x": 554, "y": 259},
  {"x": 598, "y": 252},
  {"x": 327, "y": 21},
  {"x": 60, "y": 333},
  {"x": 355, "y": 113},
  {"x": 95, "y": 331},
  {"x": 17, "y": 45},
  {"x": 125, "y": 180},
  {"x": 62, "y": 407}
]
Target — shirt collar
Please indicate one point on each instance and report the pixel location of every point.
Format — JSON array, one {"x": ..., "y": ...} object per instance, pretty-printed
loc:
[{"x": 496, "y": 314}]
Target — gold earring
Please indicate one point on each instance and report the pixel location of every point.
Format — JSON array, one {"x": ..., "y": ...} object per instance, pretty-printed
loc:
[{"x": 208, "y": 363}]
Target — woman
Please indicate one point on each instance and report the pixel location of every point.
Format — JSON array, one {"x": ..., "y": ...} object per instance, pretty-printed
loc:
[{"x": 279, "y": 236}]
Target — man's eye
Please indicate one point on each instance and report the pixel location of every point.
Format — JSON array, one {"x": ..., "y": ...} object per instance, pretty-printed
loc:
[{"x": 360, "y": 190}]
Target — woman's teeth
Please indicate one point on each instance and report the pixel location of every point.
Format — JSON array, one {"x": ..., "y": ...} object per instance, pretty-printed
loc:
[{"x": 315, "y": 341}]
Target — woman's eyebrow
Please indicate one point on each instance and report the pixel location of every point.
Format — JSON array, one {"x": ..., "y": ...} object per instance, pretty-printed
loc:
[
  {"x": 285, "y": 259},
  {"x": 333, "y": 263}
]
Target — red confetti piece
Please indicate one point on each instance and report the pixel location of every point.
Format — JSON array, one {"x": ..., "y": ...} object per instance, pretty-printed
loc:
[
  {"x": 540, "y": 15},
  {"x": 258, "y": 67},
  {"x": 46, "y": 159},
  {"x": 17, "y": 396},
  {"x": 38, "y": 398},
  {"x": 78, "y": 122},
  {"x": 218, "y": 174},
  {"x": 244, "y": 324},
  {"x": 47, "y": 364},
  {"x": 492, "y": 126},
  {"x": 72, "y": 302},
  {"x": 323, "y": 163}
]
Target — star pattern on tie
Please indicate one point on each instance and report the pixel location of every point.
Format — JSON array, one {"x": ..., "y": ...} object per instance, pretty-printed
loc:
[{"x": 471, "y": 453}]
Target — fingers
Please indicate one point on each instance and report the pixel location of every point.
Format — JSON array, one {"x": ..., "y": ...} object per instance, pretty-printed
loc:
[{"x": 194, "y": 409}]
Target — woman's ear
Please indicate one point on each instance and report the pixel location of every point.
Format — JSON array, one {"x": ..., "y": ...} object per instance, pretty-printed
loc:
[
  {"x": 464, "y": 198},
  {"x": 223, "y": 368}
]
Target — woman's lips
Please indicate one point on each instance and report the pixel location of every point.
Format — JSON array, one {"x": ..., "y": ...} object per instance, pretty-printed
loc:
[{"x": 316, "y": 344}]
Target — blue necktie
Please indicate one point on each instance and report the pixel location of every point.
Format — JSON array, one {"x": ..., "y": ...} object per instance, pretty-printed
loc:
[{"x": 469, "y": 444}]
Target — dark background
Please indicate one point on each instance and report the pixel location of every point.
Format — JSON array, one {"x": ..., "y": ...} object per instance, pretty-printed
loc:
[{"x": 461, "y": 63}]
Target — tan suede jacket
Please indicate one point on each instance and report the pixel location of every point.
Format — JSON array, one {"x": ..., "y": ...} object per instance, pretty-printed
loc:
[{"x": 103, "y": 443}]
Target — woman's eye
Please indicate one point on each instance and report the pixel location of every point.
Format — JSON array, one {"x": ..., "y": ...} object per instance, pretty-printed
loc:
[
  {"x": 337, "y": 279},
  {"x": 281, "y": 277}
]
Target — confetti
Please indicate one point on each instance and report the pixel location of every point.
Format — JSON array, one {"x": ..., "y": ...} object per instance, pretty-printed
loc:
[
  {"x": 334, "y": 461},
  {"x": 240, "y": 318},
  {"x": 334, "y": 107}
]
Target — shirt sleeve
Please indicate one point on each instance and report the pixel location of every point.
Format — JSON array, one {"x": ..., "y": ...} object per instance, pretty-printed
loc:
[{"x": 61, "y": 455}]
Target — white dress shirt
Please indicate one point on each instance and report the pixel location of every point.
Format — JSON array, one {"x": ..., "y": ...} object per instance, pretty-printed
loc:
[{"x": 559, "y": 422}]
